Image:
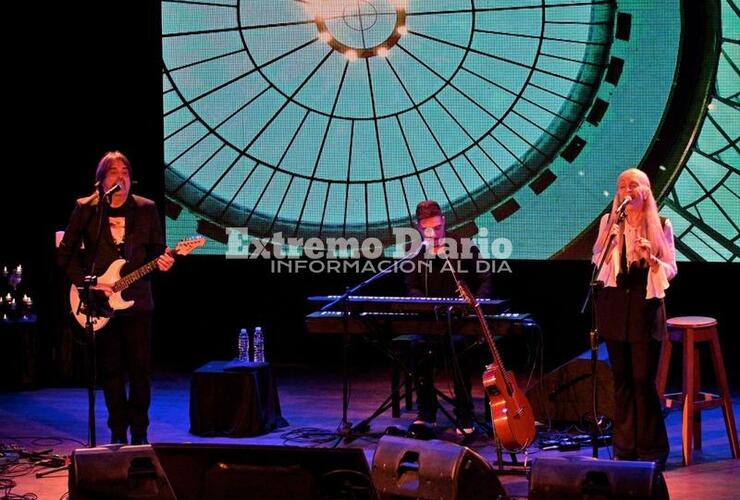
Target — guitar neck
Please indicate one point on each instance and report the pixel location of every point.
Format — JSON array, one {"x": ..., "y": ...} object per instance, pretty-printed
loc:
[
  {"x": 492, "y": 345},
  {"x": 134, "y": 276}
]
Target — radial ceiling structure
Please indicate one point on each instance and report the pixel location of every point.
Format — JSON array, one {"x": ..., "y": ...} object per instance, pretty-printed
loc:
[{"x": 335, "y": 117}]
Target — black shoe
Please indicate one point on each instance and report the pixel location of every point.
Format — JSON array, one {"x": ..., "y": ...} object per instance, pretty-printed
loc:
[
  {"x": 394, "y": 431},
  {"x": 421, "y": 430},
  {"x": 465, "y": 424},
  {"x": 118, "y": 438},
  {"x": 139, "y": 439},
  {"x": 465, "y": 429}
]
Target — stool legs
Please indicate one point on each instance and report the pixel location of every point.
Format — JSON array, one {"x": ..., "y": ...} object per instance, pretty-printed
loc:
[
  {"x": 691, "y": 331},
  {"x": 408, "y": 390},
  {"x": 724, "y": 390},
  {"x": 697, "y": 397},
  {"x": 395, "y": 396},
  {"x": 689, "y": 391},
  {"x": 404, "y": 365},
  {"x": 664, "y": 363}
]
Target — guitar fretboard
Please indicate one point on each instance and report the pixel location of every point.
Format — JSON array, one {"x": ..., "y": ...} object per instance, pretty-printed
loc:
[{"x": 127, "y": 280}]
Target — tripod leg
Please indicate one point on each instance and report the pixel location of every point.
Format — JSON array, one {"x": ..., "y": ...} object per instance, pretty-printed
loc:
[
  {"x": 345, "y": 425},
  {"x": 499, "y": 455}
]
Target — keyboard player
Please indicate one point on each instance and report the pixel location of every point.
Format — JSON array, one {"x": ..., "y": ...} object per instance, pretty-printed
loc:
[{"x": 436, "y": 280}]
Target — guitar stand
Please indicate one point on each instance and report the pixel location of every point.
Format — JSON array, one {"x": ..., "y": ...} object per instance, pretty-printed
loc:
[{"x": 513, "y": 466}]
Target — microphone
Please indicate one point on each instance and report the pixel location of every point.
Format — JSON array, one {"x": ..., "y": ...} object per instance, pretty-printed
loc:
[
  {"x": 116, "y": 187},
  {"x": 419, "y": 251},
  {"x": 623, "y": 206}
]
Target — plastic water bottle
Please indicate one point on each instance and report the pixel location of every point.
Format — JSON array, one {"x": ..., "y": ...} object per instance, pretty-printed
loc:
[
  {"x": 259, "y": 345},
  {"x": 243, "y": 345}
]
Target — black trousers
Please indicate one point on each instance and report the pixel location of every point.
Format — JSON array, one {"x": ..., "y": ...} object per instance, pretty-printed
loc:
[
  {"x": 427, "y": 353},
  {"x": 124, "y": 354},
  {"x": 639, "y": 429}
]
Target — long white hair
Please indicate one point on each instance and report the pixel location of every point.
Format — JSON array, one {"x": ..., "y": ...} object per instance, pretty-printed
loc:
[{"x": 649, "y": 218}]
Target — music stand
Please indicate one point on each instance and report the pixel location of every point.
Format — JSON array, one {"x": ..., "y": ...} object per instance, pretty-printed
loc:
[{"x": 594, "y": 286}]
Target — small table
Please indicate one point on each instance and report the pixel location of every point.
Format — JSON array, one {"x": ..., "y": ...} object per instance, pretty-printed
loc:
[
  {"x": 19, "y": 343},
  {"x": 237, "y": 402}
]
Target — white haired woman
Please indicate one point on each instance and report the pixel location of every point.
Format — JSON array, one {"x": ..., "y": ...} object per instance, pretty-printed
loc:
[{"x": 630, "y": 314}]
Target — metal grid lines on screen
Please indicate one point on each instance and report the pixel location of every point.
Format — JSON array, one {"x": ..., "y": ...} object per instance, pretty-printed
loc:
[
  {"x": 334, "y": 118},
  {"x": 704, "y": 203}
]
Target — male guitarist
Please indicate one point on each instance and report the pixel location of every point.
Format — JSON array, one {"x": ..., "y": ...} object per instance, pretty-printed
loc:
[
  {"x": 438, "y": 281},
  {"x": 131, "y": 229}
]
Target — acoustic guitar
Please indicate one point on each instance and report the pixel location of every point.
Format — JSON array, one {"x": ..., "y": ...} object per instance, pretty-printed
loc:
[{"x": 513, "y": 419}]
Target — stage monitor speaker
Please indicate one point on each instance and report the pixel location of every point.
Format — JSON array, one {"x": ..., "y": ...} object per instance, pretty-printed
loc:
[
  {"x": 117, "y": 472},
  {"x": 564, "y": 394},
  {"x": 219, "y": 472},
  {"x": 585, "y": 478},
  {"x": 409, "y": 468}
]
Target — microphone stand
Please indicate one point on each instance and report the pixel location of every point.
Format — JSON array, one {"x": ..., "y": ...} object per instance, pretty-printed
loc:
[
  {"x": 91, "y": 305},
  {"x": 594, "y": 286},
  {"x": 345, "y": 427},
  {"x": 91, "y": 310}
]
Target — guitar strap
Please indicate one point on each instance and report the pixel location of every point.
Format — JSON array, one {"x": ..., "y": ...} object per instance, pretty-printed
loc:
[{"x": 130, "y": 224}]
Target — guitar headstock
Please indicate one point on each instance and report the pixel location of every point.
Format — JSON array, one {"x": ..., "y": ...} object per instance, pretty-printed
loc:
[{"x": 186, "y": 246}]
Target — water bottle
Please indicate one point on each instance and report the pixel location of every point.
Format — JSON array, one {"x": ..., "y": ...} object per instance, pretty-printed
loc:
[
  {"x": 243, "y": 345},
  {"x": 259, "y": 345}
]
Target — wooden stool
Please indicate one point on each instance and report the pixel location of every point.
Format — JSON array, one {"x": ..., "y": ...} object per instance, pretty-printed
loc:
[
  {"x": 691, "y": 330},
  {"x": 403, "y": 348}
]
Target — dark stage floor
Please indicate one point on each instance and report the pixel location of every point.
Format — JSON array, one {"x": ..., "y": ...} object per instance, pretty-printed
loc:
[{"x": 57, "y": 418}]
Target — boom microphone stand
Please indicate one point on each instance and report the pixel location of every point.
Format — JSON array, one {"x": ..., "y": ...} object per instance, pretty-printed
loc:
[
  {"x": 92, "y": 305},
  {"x": 345, "y": 427},
  {"x": 594, "y": 287}
]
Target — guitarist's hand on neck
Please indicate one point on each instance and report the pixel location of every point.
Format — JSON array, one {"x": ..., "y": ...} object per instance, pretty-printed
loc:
[{"x": 165, "y": 261}]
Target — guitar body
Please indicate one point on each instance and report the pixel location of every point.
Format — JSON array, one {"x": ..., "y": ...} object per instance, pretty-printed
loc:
[
  {"x": 513, "y": 419},
  {"x": 512, "y": 415},
  {"x": 115, "y": 301},
  {"x": 112, "y": 277}
]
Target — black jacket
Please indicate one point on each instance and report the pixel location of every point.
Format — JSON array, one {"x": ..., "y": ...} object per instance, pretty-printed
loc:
[{"x": 439, "y": 281}]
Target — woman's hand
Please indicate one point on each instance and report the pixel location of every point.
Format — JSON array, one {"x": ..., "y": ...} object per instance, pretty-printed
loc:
[{"x": 645, "y": 251}]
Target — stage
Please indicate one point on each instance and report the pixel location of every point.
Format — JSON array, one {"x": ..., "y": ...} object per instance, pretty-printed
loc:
[{"x": 311, "y": 402}]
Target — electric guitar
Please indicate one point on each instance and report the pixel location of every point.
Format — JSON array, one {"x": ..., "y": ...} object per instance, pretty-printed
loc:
[
  {"x": 105, "y": 307},
  {"x": 512, "y": 415}
]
